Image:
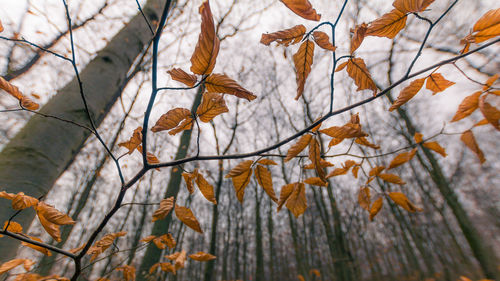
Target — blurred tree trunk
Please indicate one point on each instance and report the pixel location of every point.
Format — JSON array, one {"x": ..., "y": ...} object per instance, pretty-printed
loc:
[
  {"x": 33, "y": 160},
  {"x": 259, "y": 249}
]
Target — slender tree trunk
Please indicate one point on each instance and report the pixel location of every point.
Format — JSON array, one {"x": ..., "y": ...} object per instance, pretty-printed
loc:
[
  {"x": 33, "y": 160},
  {"x": 259, "y": 249}
]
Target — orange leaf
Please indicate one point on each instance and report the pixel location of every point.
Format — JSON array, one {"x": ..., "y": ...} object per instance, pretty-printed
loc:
[
  {"x": 4, "y": 267},
  {"x": 297, "y": 202},
  {"x": 212, "y": 105},
  {"x": 35, "y": 247},
  {"x": 286, "y": 191},
  {"x": 207, "y": 48},
  {"x": 187, "y": 217},
  {"x": 491, "y": 80},
  {"x": 104, "y": 243},
  {"x": 491, "y": 113},
  {"x": 14, "y": 227},
  {"x": 437, "y": 83},
  {"x": 241, "y": 168},
  {"x": 315, "y": 156},
  {"x": 166, "y": 205},
  {"x": 171, "y": 119},
  {"x": 364, "y": 198},
  {"x": 1, "y": 26},
  {"x": 365, "y": 142},
  {"x": 401, "y": 199},
  {"x": 51, "y": 218},
  {"x": 316, "y": 181},
  {"x": 467, "y": 106},
  {"x": 302, "y": 8},
  {"x": 188, "y": 178},
  {"x": 388, "y": 25},
  {"x": 346, "y": 131},
  {"x": 19, "y": 200},
  {"x": 267, "y": 162},
  {"x": 418, "y": 137},
  {"x": 284, "y": 37},
  {"x": 221, "y": 83},
  {"x": 358, "y": 36},
  {"x": 488, "y": 26},
  {"x": 240, "y": 182},
  {"x": 356, "y": 68},
  {"x": 186, "y": 124},
  {"x": 375, "y": 171},
  {"x": 296, "y": 148},
  {"x": 201, "y": 256},
  {"x": 376, "y": 207},
  {"x": 128, "y": 272},
  {"x": 206, "y": 189},
  {"x": 29, "y": 104},
  {"x": 408, "y": 93},
  {"x": 180, "y": 75},
  {"x": 323, "y": 41},
  {"x": 265, "y": 180},
  {"x": 411, "y": 6},
  {"x": 303, "y": 60},
  {"x": 392, "y": 178},
  {"x": 402, "y": 158},
  {"x": 324, "y": 164},
  {"x": 470, "y": 141},
  {"x": 134, "y": 141},
  {"x": 11, "y": 89},
  {"x": 433, "y": 145}
]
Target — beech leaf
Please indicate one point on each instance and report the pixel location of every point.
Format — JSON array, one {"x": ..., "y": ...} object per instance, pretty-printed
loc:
[
  {"x": 302, "y": 8},
  {"x": 467, "y": 106},
  {"x": 401, "y": 199},
  {"x": 221, "y": 83},
  {"x": 323, "y": 40},
  {"x": 297, "y": 148},
  {"x": 187, "y": 217},
  {"x": 408, "y": 93},
  {"x": 207, "y": 48},
  {"x": 166, "y": 205},
  {"x": 303, "y": 60},
  {"x": 201, "y": 256},
  {"x": 180, "y": 75},
  {"x": 470, "y": 141},
  {"x": 284, "y": 37},
  {"x": 389, "y": 25},
  {"x": 437, "y": 83},
  {"x": 264, "y": 178}
]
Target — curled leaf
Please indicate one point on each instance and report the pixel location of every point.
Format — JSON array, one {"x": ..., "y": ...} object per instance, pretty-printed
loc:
[
  {"x": 264, "y": 178},
  {"x": 171, "y": 119},
  {"x": 401, "y": 199},
  {"x": 207, "y": 48},
  {"x": 166, "y": 205},
  {"x": 408, "y": 93},
  {"x": 187, "y": 217},
  {"x": 376, "y": 207},
  {"x": 240, "y": 182},
  {"x": 201, "y": 256},
  {"x": 356, "y": 68},
  {"x": 242, "y": 167},
  {"x": 134, "y": 142},
  {"x": 303, "y": 60},
  {"x": 316, "y": 181},
  {"x": 302, "y": 8},
  {"x": 212, "y": 105},
  {"x": 284, "y": 37},
  {"x": 104, "y": 243},
  {"x": 180, "y": 75},
  {"x": 221, "y": 83},
  {"x": 315, "y": 156},
  {"x": 128, "y": 272},
  {"x": 296, "y": 148},
  {"x": 40, "y": 249},
  {"x": 359, "y": 33},
  {"x": 206, "y": 189},
  {"x": 323, "y": 41},
  {"x": 285, "y": 193},
  {"x": 297, "y": 202},
  {"x": 491, "y": 113},
  {"x": 488, "y": 26}
]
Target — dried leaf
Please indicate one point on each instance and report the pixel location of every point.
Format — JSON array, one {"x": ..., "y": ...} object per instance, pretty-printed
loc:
[
  {"x": 221, "y": 83},
  {"x": 161, "y": 242},
  {"x": 29, "y": 104},
  {"x": 315, "y": 156},
  {"x": 11, "y": 89},
  {"x": 285, "y": 37},
  {"x": 408, "y": 93},
  {"x": 4, "y": 267},
  {"x": 52, "y": 215},
  {"x": 376, "y": 207},
  {"x": 128, "y": 272},
  {"x": 14, "y": 227},
  {"x": 375, "y": 171},
  {"x": 366, "y": 142},
  {"x": 356, "y": 68},
  {"x": 206, "y": 189},
  {"x": 241, "y": 168},
  {"x": 491, "y": 113},
  {"x": 212, "y": 105},
  {"x": 346, "y": 131},
  {"x": 470, "y": 141},
  {"x": 35, "y": 247},
  {"x": 392, "y": 178},
  {"x": 488, "y": 26},
  {"x": 437, "y": 83},
  {"x": 389, "y": 25},
  {"x": 467, "y": 106},
  {"x": 286, "y": 191},
  {"x": 411, "y": 6},
  {"x": 303, "y": 60},
  {"x": 364, "y": 198},
  {"x": 296, "y": 148},
  {"x": 134, "y": 141},
  {"x": 1, "y": 26},
  {"x": 171, "y": 119},
  {"x": 187, "y": 217},
  {"x": 323, "y": 41},
  {"x": 401, "y": 199},
  {"x": 20, "y": 201},
  {"x": 264, "y": 178},
  {"x": 104, "y": 243},
  {"x": 433, "y": 145},
  {"x": 186, "y": 124},
  {"x": 302, "y": 8},
  {"x": 297, "y": 202},
  {"x": 491, "y": 80},
  {"x": 166, "y": 205},
  {"x": 324, "y": 164},
  {"x": 188, "y": 178},
  {"x": 267, "y": 162},
  {"x": 207, "y": 48},
  {"x": 316, "y": 181},
  {"x": 180, "y": 75},
  {"x": 358, "y": 36},
  {"x": 180, "y": 260},
  {"x": 240, "y": 182},
  {"x": 201, "y": 256}
]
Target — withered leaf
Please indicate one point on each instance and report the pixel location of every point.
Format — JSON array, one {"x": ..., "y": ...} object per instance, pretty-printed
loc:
[
  {"x": 285, "y": 193},
  {"x": 241, "y": 168},
  {"x": 411, "y": 6},
  {"x": 401, "y": 199},
  {"x": 207, "y": 48},
  {"x": 166, "y": 205},
  {"x": 392, "y": 178},
  {"x": 302, "y": 8},
  {"x": 303, "y": 60},
  {"x": 358, "y": 36},
  {"x": 389, "y": 25},
  {"x": 134, "y": 141},
  {"x": 470, "y": 141},
  {"x": 201, "y": 256},
  {"x": 180, "y": 75},
  {"x": 356, "y": 68},
  {"x": 40, "y": 249},
  {"x": 490, "y": 113},
  {"x": 467, "y": 106},
  {"x": 4, "y": 267},
  {"x": 240, "y": 182},
  {"x": 221, "y": 83},
  {"x": 171, "y": 119},
  {"x": 402, "y": 158},
  {"x": 206, "y": 189},
  {"x": 315, "y": 156},
  {"x": 284, "y": 37},
  {"x": 187, "y": 217},
  {"x": 376, "y": 207},
  {"x": 488, "y": 26},
  {"x": 212, "y": 105},
  {"x": 437, "y": 83},
  {"x": 104, "y": 243},
  {"x": 297, "y": 202},
  {"x": 323, "y": 40},
  {"x": 128, "y": 272},
  {"x": 296, "y": 148},
  {"x": 315, "y": 181},
  {"x": 364, "y": 198},
  {"x": 264, "y": 178},
  {"x": 408, "y": 93}
]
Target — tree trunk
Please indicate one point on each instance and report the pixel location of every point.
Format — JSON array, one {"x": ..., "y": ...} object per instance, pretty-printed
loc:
[{"x": 33, "y": 160}]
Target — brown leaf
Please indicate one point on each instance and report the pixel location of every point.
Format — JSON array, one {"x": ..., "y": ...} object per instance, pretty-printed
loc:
[
  {"x": 285, "y": 37},
  {"x": 128, "y": 272},
  {"x": 467, "y": 106},
  {"x": 376, "y": 207},
  {"x": 470, "y": 141},
  {"x": 437, "y": 83},
  {"x": 316, "y": 181},
  {"x": 240, "y": 182},
  {"x": 264, "y": 178},
  {"x": 389, "y": 25},
  {"x": 201, "y": 256},
  {"x": 11, "y": 89},
  {"x": 433, "y": 145},
  {"x": 134, "y": 141},
  {"x": 488, "y": 26},
  {"x": 315, "y": 156},
  {"x": 297, "y": 147},
  {"x": 4, "y": 267},
  {"x": 29, "y": 104},
  {"x": 267, "y": 162},
  {"x": 491, "y": 80},
  {"x": 180, "y": 260},
  {"x": 323, "y": 41},
  {"x": 1, "y": 26},
  {"x": 358, "y": 36},
  {"x": 303, "y": 60},
  {"x": 104, "y": 243},
  {"x": 187, "y": 217},
  {"x": 14, "y": 227},
  {"x": 161, "y": 242},
  {"x": 286, "y": 191},
  {"x": 221, "y": 83},
  {"x": 188, "y": 178},
  {"x": 52, "y": 215},
  {"x": 401, "y": 199},
  {"x": 171, "y": 119},
  {"x": 408, "y": 93},
  {"x": 212, "y": 105},
  {"x": 335, "y": 141},
  {"x": 20, "y": 201},
  {"x": 186, "y": 124},
  {"x": 366, "y": 142},
  {"x": 324, "y": 164},
  {"x": 411, "y": 6},
  {"x": 402, "y": 158},
  {"x": 241, "y": 168},
  {"x": 206, "y": 189},
  {"x": 297, "y": 202},
  {"x": 491, "y": 113},
  {"x": 180, "y": 75},
  {"x": 35, "y": 247},
  {"x": 166, "y": 205},
  {"x": 346, "y": 131},
  {"x": 375, "y": 171},
  {"x": 302, "y": 8},
  {"x": 356, "y": 68},
  {"x": 364, "y": 198},
  {"x": 207, "y": 48},
  {"x": 392, "y": 178}
]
